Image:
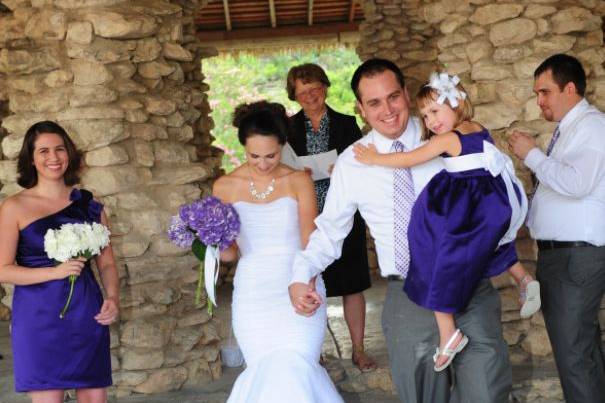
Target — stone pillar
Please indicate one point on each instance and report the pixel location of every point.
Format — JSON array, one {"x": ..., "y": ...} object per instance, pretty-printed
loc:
[
  {"x": 124, "y": 78},
  {"x": 397, "y": 30},
  {"x": 494, "y": 46}
]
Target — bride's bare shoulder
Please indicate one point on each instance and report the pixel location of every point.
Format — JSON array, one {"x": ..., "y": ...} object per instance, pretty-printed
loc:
[{"x": 226, "y": 187}]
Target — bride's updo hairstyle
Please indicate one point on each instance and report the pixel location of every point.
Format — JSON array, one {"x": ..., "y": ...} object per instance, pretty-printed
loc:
[{"x": 261, "y": 118}]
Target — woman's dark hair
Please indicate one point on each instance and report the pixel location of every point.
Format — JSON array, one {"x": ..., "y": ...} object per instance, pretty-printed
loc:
[
  {"x": 307, "y": 73},
  {"x": 261, "y": 118},
  {"x": 564, "y": 69},
  {"x": 27, "y": 174}
]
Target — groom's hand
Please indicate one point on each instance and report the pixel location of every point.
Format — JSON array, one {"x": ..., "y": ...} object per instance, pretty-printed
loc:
[{"x": 304, "y": 298}]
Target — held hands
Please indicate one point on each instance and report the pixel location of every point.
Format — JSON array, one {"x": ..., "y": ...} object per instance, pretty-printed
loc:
[
  {"x": 304, "y": 298},
  {"x": 68, "y": 268},
  {"x": 520, "y": 143},
  {"x": 109, "y": 311},
  {"x": 365, "y": 154}
]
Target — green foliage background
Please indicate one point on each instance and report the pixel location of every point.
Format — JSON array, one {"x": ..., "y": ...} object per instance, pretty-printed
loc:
[{"x": 248, "y": 77}]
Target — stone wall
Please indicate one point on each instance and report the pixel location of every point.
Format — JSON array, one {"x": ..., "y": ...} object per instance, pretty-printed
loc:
[
  {"x": 124, "y": 79},
  {"x": 494, "y": 46}
]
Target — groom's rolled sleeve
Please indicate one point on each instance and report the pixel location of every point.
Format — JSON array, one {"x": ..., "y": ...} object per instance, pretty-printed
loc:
[{"x": 333, "y": 226}]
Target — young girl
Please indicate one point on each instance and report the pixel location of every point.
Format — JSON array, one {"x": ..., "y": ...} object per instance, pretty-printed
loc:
[{"x": 465, "y": 221}]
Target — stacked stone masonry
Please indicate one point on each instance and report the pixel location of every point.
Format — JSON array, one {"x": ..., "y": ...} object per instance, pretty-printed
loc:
[
  {"x": 494, "y": 47},
  {"x": 124, "y": 79}
]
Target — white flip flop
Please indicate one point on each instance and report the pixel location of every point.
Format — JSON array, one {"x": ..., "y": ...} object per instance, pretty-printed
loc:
[
  {"x": 450, "y": 353},
  {"x": 532, "y": 299}
]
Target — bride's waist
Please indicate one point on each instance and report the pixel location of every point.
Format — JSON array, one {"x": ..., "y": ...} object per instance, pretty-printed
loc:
[{"x": 270, "y": 252}]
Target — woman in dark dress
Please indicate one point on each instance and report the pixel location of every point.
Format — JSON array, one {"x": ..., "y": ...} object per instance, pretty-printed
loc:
[
  {"x": 53, "y": 354},
  {"x": 316, "y": 129}
]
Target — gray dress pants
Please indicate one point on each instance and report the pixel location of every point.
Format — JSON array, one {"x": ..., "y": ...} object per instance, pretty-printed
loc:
[
  {"x": 572, "y": 285},
  {"x": 481, "y": 373}
]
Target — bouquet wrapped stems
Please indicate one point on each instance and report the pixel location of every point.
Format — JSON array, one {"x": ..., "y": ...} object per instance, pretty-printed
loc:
[{"x": 72, "y": 281}]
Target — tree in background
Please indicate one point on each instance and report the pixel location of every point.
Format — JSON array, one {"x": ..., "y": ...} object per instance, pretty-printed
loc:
[{"x": 247, "y": 77}]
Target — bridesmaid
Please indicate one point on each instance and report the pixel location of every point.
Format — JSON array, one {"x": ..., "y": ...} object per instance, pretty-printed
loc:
[{"x": 53, "y": 354}]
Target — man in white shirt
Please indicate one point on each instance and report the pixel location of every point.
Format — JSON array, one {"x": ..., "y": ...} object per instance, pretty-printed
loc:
[
  {"x": 482, "y": 370},
  {"x": 567, "y": 218}
]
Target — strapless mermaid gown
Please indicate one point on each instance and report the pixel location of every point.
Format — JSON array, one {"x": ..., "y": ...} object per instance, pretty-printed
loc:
[
  {"x": 281, "y": 348},
  {"x": 49, "y": 352}
]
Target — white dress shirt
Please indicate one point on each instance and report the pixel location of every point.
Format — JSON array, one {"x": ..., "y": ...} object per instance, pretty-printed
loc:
[
  {"x": 369, "y": 189},
  {"x": 569, "y": 203}
]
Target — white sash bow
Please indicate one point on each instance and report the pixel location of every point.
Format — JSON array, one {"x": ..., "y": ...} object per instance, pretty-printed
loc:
[{"x": 497, "y": 163}]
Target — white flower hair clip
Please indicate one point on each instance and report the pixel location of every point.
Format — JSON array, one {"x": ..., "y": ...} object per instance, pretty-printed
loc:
[{"x": 445, "y": 85}]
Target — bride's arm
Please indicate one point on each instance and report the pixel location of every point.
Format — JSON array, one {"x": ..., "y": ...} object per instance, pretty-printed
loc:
[
  {"x": 307, "y": 206},
  {"x": 220, "y": 190}
]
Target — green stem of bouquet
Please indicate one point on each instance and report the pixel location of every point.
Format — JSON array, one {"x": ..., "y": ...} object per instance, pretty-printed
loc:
[
  {"x": 198, "y": 290},
  {"x": 72, "y": 281}
]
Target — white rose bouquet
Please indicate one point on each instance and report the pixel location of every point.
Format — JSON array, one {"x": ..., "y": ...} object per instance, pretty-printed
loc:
[{"x": 72, "y": 241}]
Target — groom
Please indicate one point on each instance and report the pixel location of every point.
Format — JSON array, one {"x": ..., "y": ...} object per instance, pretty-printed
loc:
[{"x": 482, "y": 371}]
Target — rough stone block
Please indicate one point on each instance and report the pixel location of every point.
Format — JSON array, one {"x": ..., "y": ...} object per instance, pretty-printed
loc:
[
  {"x": 109, "y": 180},
  {"x": 513, "y": 31},
  {"x": 492, "y": 13},
  {"x": 92, "y": 95},
  {"x": 110, "y": 24},
  {"x": 495, "y": 116},
  {"x": 90, "y": 73},
  {"x": 29, "y": 61},
  {"x": 105, "y": 156},
  {"x": 153, "y": 269},
  {"x": 93, "y": 133},
  {"x": 575, "y": 19},
  {"x": 163, "y": 380},
  {"x": 80, "y": 32},
  {"x": 47, "y": 24},
  {"x": 138, "y": 359}
]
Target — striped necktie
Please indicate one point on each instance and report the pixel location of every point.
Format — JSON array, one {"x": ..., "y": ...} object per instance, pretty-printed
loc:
[{"x": 403, "y": 195}]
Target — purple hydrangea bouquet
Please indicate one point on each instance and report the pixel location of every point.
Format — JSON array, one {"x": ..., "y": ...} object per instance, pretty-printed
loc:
[{"x": 207, "y": 226}]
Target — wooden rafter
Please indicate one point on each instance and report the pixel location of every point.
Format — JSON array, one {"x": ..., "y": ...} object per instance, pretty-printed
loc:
[
  {"x": 227, "y": 15},
  {"x": 272, "y": 13},
  {"x": 310, "y": 13},
  {"x": 282, "y": 31},
  {"x": 352, "y": 10}
]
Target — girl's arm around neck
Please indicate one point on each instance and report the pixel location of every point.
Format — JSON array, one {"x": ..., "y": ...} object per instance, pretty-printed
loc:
[{"x": 437, "y": 145}]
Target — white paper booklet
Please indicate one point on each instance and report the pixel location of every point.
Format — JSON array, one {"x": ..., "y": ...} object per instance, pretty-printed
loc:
[{"x": 318, "y": 163}]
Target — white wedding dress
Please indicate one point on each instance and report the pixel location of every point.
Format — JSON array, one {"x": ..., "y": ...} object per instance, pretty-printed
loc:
[{"x": 281, "y": 348}]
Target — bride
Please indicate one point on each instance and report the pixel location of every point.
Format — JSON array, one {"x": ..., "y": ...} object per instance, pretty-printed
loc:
[{"x": 276, "y": 205}]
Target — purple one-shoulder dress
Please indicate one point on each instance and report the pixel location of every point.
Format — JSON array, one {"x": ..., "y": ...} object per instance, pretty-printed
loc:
[
  {"x": 49, "y": 352},
  {"x": 455, "y": 228}
]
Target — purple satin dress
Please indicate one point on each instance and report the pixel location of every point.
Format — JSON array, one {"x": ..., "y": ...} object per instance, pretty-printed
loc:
[
  {"x": 49, "y": 352},
  {"x": 455, "y": 227}
]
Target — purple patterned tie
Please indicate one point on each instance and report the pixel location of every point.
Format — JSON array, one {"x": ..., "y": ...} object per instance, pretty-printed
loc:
[
  {"x": 551, "y": 145},
  {"x": 403, "y": 195},
  {"x": 553, "y": 140}
]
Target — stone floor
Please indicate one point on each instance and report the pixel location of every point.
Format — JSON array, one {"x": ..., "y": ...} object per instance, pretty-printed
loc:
[{"x": 534, "y": 381}]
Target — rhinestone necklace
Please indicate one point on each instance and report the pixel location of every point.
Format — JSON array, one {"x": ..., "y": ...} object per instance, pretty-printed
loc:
[{"x": 261, "y": 195}]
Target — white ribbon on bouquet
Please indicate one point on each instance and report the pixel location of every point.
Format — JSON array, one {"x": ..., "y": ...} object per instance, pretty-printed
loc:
[{"x": 211, "y": 266}]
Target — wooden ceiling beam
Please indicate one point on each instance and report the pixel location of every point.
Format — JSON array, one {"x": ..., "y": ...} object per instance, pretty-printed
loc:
[
  {"x": 282, "y": 31},
  {"x": 310, "y": 13},
  {"x": 227, "y": 15},
  {"x": 272, "y": 13}
]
